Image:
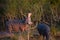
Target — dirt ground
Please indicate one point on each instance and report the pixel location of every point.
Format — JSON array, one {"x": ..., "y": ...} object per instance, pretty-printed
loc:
[
  {"x": 37, "y": 38},
  {"x": 32, "y": 37},
  {"x": 57, "y": 38}
]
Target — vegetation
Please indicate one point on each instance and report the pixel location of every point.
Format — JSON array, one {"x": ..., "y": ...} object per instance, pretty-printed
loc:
[{"x": 48, "y": 10}]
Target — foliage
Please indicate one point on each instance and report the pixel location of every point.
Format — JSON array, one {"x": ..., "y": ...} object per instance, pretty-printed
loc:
[{"x": 47, "y": 10}]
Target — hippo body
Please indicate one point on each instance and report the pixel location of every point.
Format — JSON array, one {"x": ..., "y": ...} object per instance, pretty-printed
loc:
[{"x": 44, "y": 30}]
